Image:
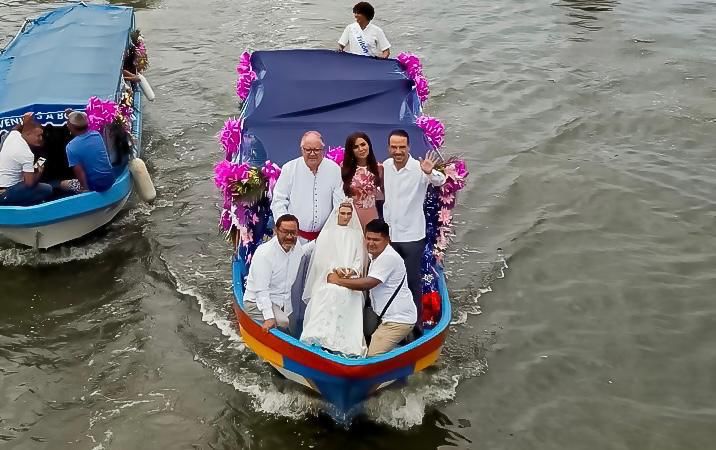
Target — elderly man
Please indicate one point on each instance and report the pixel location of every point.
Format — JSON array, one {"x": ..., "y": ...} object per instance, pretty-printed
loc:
[
  {"x": 273, "y": 269},
  {"x": 87, "y": 156},
  {"x": 406, "y": 182},
  {"x": 308, "y": 188},
  {"x": 19, "y": 175}
]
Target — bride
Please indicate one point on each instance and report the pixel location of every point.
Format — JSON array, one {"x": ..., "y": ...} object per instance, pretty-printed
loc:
[{"x": 334, "y": 314}]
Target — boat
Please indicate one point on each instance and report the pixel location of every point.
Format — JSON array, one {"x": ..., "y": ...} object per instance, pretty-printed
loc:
[
  {"x": 61, "y": 60},
  {"x": 285, "y": 93}
]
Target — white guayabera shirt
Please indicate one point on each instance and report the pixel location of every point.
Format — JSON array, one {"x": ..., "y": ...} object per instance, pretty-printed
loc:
[
  {"x": 405, "y": 191},
  {"x": 309, "y": 197}
]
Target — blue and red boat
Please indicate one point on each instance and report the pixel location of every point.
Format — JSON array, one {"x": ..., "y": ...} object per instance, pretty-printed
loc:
[{"x": 286, "y": 93}]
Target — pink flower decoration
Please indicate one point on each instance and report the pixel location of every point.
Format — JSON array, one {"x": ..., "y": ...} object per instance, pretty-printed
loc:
[
  {"x": 247, "y": 236},
  {"x": 230, "y": 137},
  {"x": 227, "y": 173},
  {"x": 225, "y": 222},
  {"x": 411, "y": 64},
  {"x": 461, "y": 168},
  {"x": 336, "y": 154},
  {"x": 100, "y": 113},
  {"x": 434, "y": 130},
  {"x": 414, "y": 70},
  {"x": 271, "y": 172},
  {"x": 246, "y": 76},
  {"x": 422, "y": 88},
  {"x": 445, "y": 216}
]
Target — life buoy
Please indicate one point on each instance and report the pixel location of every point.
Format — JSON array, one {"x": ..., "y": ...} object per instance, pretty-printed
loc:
[
  {"x": 146, "y": 87},
  {"x": 142, "y": 181}
]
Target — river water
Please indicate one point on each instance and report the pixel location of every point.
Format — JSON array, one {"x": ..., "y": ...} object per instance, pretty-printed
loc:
[{"x": 588, "y": 129}]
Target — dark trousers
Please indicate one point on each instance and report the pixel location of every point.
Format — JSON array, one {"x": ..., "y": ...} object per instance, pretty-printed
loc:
[
  {"x": 22, "y": 195},
  {"x": 412, "y": 254}
]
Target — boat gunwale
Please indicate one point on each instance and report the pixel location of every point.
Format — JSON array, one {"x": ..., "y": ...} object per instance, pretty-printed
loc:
[{"x": 431, "y": 341}]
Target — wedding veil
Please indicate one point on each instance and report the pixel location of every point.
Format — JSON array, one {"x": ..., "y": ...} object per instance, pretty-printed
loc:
[{"x": 336, "y": 246}]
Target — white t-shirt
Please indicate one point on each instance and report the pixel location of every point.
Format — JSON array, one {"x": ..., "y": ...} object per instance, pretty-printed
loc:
[
  {"x": 389, "y": 268},
  {"x": 374, "y": 38},
  {"x": 15, "y": 158}
]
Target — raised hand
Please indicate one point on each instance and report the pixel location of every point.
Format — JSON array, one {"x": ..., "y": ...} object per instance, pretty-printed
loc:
[{"x": 428, "y": 164}]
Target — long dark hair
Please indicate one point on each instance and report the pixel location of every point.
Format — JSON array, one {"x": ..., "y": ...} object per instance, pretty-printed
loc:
[{"x": 350, "y": 163}]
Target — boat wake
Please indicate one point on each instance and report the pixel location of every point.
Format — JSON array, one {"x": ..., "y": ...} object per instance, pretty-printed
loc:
[
  {"x": 86, "y": 248},
  {"x": 400, "y": 407}
]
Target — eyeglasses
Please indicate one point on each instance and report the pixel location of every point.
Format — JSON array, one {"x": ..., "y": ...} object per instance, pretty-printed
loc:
[
  {"x": 289, "y": 233},
  {"x": 313, "y": 151}
]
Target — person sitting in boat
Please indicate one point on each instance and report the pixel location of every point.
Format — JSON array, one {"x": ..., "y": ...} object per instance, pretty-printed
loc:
[
  {"x": 19, "y": 175},
  {"x": 362, "y": 37},
  {"x": 362, "y": 177},
  {"x": 406, "y": 182},
  {"x": 308, "y": 187},
  {"x": 389, "y": 293},
  {"x": 87, "y": 156},
  {"x": 129, "y": 68},
  {"x": 273, "y": 269},
  {"x": 332, "y": 318}
]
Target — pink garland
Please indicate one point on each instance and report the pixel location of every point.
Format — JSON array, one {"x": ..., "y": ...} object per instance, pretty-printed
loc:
[
  {"x": 100, "y": 113},
  {"x": 226, "y": 175},
  {"x": 230, "y": 137},
  {"x": 336, "y": 154},
  {"x": 456, "y": 176},
  {"x": 434, "y": 130},
  {"x": 414, "y": 70},
  {"x": 246, "y": 76}
]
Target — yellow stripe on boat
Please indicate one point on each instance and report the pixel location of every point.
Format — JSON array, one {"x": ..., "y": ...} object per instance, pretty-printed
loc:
[
  {"x": 427, "y": 360},
  {"x": 262, "y": 350}
]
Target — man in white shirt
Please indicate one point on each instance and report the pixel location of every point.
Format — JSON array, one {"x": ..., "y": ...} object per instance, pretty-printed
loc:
[
  {"x": 362, "y": 37},
  {"x": 308, "y": 188},
  {"x": 273, "y": 269},
  {"x": 385, "y": 280},
  {"x": 406, "y": 182},
  {"x": 19, "y": 176}
]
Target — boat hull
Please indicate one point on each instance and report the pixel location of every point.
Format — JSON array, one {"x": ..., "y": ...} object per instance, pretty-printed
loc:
[
  {"x": 46, "y": 236},
  {"x": 344, "y": 383}
]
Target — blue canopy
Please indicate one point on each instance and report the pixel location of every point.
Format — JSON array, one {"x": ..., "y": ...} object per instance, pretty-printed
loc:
[
  {"x": 61, "y": 59},
  {"x": 334, "y": 93}
]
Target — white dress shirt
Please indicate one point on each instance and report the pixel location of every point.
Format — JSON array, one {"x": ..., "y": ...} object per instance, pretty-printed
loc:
[
  {"x": 271, "y": 275},
  {"x": 405, "y": 191},
  {"x": 309, "y": 197},
  {"x": 389, "y": 269}
]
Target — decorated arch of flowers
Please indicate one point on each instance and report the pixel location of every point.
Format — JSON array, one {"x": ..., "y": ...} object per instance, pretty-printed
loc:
[{"x": 246, "y": 190}]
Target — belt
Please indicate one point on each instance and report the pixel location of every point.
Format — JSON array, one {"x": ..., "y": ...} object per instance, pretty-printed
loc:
[{"x": 308, "y": 235}]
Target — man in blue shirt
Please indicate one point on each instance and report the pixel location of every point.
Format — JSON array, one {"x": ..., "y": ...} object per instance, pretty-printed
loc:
[{"x": 87, "y": 156}]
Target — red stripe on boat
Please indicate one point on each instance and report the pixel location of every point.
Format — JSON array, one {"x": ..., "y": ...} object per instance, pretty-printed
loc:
[{"x": 325, "y": 365}]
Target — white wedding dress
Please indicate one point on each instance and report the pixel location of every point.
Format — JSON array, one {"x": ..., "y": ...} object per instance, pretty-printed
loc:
[{"x": 334, "y": 315}]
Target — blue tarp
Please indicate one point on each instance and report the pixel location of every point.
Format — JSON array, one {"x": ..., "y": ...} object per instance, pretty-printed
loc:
[
  {"x": 61, "y": 59},
  {"x": 334, "y": 93}
]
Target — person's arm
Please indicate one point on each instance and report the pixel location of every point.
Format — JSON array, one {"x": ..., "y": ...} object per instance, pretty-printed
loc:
[
  {"x": 31, "y": 179},
  {"x": 383, "y": 45},
  {"x": 279, "y": 202},
  {"x": 81, "y": 176},
  {"x": 260, "y": 272},
  {"x": 343, "y": 41},
  {"x": 427, "y": 165},
  {"x": 129, "y": 76},
  {"x": 355, "y": 284}
]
